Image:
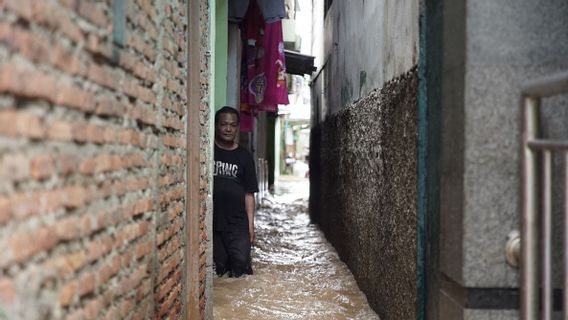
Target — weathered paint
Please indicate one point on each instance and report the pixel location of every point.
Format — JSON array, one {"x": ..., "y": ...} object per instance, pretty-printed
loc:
[
  {"x": 379, "y": 37},
  {"x": 346, "y": 93},
  {"x": 362, "y": 81}
]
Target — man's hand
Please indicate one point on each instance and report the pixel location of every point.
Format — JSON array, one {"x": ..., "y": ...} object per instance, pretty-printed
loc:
[{"x": 251, "y": 233}]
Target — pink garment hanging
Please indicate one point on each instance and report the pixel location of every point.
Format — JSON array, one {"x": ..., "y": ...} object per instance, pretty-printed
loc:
[
  {"x": 247, "y": 121},
  {"x": 268, "y": 108},
  {"x": 274, "y": 65},
  {"x": 264, "y": 83}
]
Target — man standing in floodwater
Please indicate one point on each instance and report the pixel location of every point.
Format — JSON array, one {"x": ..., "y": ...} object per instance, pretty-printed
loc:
[{"x": 234, "y": 186}]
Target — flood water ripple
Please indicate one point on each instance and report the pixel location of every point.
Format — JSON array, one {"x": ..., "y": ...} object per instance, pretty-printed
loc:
[{"x": 297, "y": 273}]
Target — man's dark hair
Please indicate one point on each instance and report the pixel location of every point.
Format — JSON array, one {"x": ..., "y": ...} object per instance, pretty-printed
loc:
[{"x": 227, "y": 109}]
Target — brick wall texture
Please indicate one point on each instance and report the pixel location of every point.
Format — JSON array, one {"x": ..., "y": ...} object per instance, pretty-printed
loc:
[{"x": 93, "y": 159}]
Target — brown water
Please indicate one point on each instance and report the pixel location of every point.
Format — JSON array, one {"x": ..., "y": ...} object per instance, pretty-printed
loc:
[{"x": 297, "y": 274}]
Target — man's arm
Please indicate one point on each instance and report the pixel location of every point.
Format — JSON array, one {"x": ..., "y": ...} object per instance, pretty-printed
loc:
[{"x": 249, "y": 203}]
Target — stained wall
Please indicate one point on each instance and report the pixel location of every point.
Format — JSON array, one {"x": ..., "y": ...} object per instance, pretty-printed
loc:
[{"x": 363, "y": 160}]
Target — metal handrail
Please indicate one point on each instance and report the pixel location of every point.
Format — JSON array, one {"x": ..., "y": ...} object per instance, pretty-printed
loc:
[
  {"x": 549, "y": 85},
  {"x": 548, "y": 144},
  {"x": 532, "y": 147}
]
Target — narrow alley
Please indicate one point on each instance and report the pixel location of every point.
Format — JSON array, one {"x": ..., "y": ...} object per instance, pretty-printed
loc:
[{"x": 297, "y": 273}]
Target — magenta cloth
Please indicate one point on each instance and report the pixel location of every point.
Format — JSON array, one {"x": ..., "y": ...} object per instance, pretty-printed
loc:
[
  {"x": 247, "y": 122},
  {"x": 268, "y": 108},
  {"x": 264, "y": 82},
  {"x": 274, "y": 65}
]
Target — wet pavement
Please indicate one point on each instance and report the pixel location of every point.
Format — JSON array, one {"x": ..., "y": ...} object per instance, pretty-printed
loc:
[{"x": 297, "y": 273}]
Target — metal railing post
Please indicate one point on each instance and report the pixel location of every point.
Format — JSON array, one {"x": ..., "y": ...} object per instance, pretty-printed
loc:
[
  {"x": 529, "y": 232},
  {"x": 534, "y": 212},
  {"x": 547, "y": 235}
]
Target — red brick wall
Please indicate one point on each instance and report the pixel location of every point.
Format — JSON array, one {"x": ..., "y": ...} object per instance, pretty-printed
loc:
[{"x": 92, "y": 160}]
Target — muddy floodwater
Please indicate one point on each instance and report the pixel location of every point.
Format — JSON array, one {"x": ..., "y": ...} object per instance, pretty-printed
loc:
[{"x": 297, "y": 273}]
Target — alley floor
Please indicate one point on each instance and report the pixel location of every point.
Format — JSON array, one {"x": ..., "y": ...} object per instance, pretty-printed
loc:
[{"x": 297, "y": 273}]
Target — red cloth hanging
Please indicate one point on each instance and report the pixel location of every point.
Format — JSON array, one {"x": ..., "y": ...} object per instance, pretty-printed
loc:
[
  {"x": 264, "y": 82},
  {"x": 247, "y": 121}
]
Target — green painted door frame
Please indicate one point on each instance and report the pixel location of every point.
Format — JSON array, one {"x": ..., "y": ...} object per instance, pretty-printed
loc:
[{"x": 429, "y": 141}]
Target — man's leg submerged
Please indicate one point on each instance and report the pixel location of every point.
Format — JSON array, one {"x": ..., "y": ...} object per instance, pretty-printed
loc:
[
  {"x": 220, "y": 256},
  {"x": 239, "y": 250}
]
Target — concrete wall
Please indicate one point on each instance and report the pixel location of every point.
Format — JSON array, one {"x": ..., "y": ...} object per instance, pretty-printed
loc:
[
  {"x": 367, "y": 43},
  {"x": 207, "y": 94},
  {"x": 363, "y": 145},
  {"x": 490, "y": 48},
  {"x": 93, "y": 159},
  {"x": 366, "y": 200}
]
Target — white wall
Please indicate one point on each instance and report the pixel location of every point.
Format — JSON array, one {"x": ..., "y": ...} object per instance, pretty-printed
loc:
[{"x": 364, "y": 44}]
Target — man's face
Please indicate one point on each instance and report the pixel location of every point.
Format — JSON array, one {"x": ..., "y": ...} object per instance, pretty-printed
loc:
[{"x": 227, "y": 127}]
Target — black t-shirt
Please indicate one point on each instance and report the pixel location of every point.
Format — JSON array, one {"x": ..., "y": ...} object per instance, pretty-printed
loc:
[{"x": 234, "y": 176}]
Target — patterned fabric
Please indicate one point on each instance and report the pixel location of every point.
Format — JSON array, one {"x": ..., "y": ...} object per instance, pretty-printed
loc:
[{"x": 263, "y": 79}]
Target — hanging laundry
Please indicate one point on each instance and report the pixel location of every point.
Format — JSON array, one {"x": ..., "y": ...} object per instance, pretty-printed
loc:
[
  {"x": 268, "y": 108},
  {"x": 238, "y": 10},
  {"x": 247, "y": 121},
  {"x": 247, "y": 117},
  {"x": 263, "y": 81},
  {"x": 272, "y": 10},
  {"x": 274, "y": 65}
]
